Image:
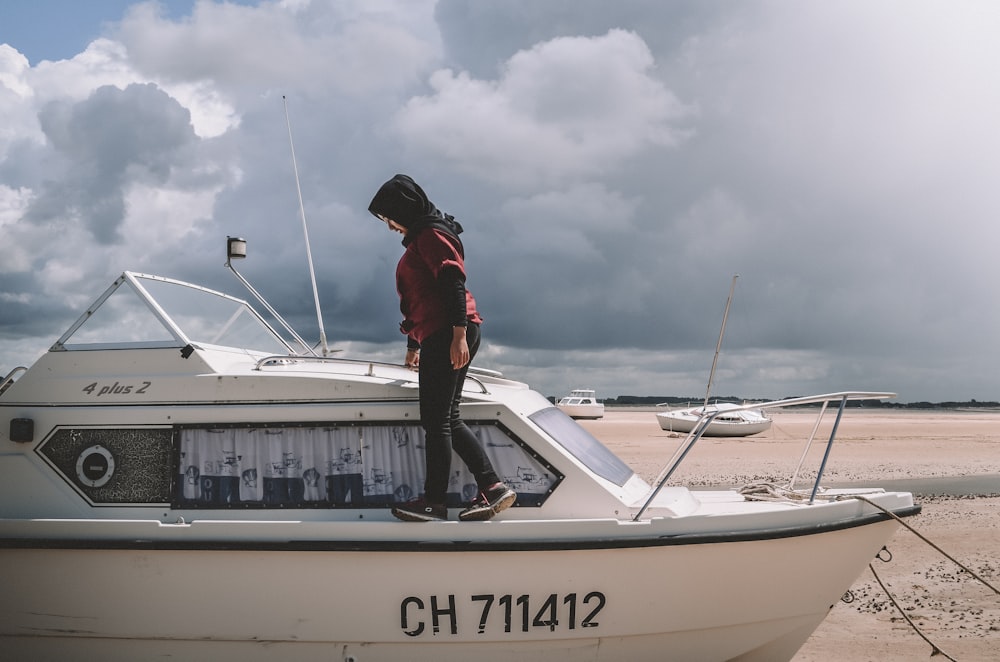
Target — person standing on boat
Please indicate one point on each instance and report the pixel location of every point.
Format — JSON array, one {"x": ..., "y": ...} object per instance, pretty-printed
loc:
[{"x": 441, "y": 324}]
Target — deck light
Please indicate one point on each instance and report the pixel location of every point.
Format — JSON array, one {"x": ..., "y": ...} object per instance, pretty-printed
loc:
[{"x": 236, "y": 248}]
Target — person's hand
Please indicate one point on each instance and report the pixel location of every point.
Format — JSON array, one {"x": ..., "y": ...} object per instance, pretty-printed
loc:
[
  {"x": 412, "y": 360},
  {"x": 459, "y": 348}
]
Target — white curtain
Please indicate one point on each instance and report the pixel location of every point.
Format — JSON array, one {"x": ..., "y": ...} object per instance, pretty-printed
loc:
[{"x": 337, "y": 466}]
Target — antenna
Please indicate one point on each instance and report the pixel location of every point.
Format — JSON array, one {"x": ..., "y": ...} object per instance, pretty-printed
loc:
[{"x": 305, "y": 232}]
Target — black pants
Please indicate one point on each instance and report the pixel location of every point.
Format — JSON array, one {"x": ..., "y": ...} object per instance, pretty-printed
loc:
[{"x": 440, "y": 394}]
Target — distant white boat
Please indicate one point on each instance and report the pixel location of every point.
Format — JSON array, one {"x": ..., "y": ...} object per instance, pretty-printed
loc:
[
  {"x": 581, "y": 403},
  {"x": 721, "y": 419},
  {"x": 728, "y": 422}
]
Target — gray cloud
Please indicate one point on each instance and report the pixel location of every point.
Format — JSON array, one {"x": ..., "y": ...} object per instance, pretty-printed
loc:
[{"x": 104, "y": 142}]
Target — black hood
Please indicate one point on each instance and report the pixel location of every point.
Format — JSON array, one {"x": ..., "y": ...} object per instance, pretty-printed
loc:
[{"x": 402, "y": 200}]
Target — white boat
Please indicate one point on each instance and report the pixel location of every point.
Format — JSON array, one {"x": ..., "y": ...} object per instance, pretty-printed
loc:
[
  {"x": 581, "y": 403},
  {"x": 176, "y": 481},
  {"x": 719, "y": 419},
  {"x": 729, "y": 420}
]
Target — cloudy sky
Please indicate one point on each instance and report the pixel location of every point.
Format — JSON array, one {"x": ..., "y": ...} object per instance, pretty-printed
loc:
[{"x": 614, "y": 165}]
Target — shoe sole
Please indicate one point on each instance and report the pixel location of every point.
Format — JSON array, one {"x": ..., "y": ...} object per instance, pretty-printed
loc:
[{"x": 487, "y": 512}]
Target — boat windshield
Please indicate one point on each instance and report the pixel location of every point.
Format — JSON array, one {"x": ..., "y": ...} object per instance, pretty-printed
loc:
[
  {"x": 582, "y": 445},
  {"x": 149, "y": 311}
]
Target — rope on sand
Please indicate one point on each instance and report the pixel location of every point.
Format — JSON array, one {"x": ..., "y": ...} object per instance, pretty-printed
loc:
[
  {"x": 772, "y": 492},
  {"x": 918, "y": 534},
  {"x": 935, "y": 649}
]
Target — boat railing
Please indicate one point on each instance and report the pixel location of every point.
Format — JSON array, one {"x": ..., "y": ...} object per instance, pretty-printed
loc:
[
  {"x": 707, "y": 417},
  {"x": 680, "y": 406},
  {"x": 9, "y": 379},
  {"x": 472, "y": 375}
]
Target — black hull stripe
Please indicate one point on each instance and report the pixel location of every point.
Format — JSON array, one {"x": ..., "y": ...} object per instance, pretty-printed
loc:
[{"x": 452, "y": 546}]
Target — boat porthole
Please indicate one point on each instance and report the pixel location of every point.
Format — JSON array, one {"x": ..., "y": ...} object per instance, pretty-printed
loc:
[{"x": 95, "y": 466}]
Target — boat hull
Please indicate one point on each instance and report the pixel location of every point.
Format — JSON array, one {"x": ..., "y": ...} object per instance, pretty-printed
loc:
[
  {"x": 715, "y": 428},
  {"x": 704, "y": 600},
  {"x": 589, "y": 412}
]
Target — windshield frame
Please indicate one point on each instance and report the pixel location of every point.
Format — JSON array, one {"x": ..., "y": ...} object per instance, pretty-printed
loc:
[{"x": 218, "y": 317}]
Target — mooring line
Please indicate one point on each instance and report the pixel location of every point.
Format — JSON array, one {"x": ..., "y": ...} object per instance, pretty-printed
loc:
[
  {"x": 921, "y": 536},
  {"x": 935, "y": 649}
]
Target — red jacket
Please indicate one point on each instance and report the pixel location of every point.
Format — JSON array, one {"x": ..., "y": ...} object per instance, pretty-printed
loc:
[{"x": 421, "y": 297}]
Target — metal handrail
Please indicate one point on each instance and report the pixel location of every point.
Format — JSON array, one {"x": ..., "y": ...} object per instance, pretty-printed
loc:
[
  {"x": 371, "y": 366},
  {"x": 9, "y": 379},
  {"x": 707, "y": 417}
]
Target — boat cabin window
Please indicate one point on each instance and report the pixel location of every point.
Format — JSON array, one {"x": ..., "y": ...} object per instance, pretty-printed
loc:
[
  {"x": 338, "y": 466},
  {"x": 582, "y": 445}
]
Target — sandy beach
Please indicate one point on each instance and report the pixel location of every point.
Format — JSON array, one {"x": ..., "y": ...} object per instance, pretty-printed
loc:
[{"x": 926, "y": 449}]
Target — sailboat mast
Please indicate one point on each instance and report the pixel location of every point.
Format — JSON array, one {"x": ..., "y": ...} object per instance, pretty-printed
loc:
[{"x": 718, "y": 345}]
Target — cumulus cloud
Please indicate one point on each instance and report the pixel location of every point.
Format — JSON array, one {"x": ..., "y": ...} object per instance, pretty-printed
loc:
[
  {"x": 103, "y": 142},
  {"x": 15, "y": 99},
  {"x": 568, "y": 108},
  {"x": 317, "y": 48}
]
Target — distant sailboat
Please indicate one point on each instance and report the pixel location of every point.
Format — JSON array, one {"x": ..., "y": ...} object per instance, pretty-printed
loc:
[{"x": 726, "y": 423}]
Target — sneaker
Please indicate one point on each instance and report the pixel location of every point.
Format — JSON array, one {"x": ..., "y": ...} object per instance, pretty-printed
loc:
[
  {"x": 418, "y": 510},
  {"x": 489, "y": 502}
]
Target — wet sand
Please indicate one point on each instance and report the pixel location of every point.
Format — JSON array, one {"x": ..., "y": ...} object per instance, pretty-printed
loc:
[{"x": 931, "y": 453}]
